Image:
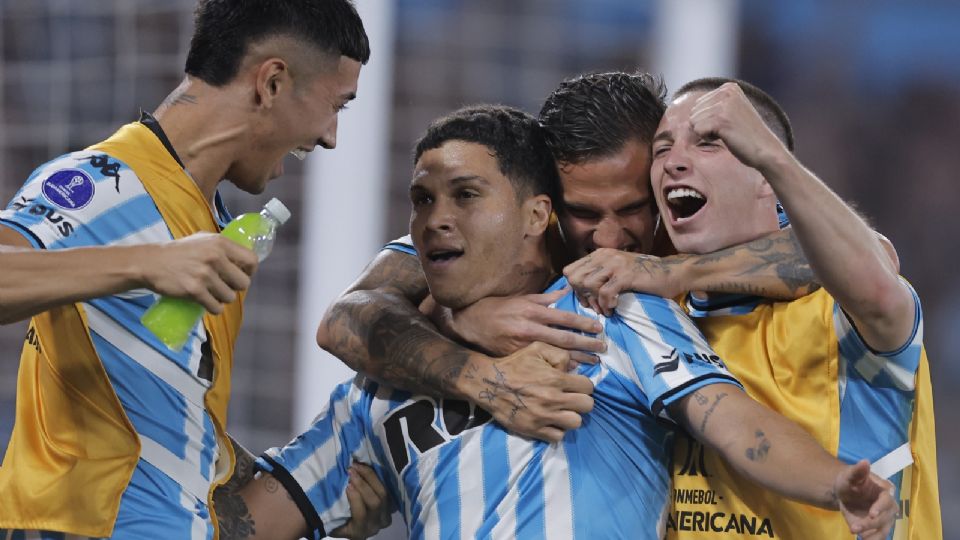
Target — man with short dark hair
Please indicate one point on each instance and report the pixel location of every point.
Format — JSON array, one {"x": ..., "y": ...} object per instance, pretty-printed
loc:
[
  {"x": 115, "y": 434},
  {"x": 481, "y": 205},
  {"x": 845, "y": 362}
]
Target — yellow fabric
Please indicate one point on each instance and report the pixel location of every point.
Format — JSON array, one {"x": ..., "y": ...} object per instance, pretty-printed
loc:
[
  {"x": 786, "y": 356},
  {"x": 73, "y": 450}
]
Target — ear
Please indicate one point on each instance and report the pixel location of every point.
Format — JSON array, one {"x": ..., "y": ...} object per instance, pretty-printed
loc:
[
  {"x": 273, "y": 77},
  {"x": 536, "y": 211}
]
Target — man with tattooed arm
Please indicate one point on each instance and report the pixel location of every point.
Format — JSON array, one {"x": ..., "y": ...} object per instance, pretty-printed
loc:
[
  {"x": 482, "y": 198},
  {"x": 845, "y": 362}
]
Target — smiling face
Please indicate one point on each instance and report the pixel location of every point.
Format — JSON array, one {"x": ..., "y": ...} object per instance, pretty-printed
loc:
[
  {"x": 607, "y": 202},
  {"x": 303, "y": 114},
  {"x": 708, "y": 199},
  {"x": 471, "y": 232}
]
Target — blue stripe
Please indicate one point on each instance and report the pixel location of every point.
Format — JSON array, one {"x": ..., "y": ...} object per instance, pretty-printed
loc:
[
  {"x": 155, "y": 409},
  {"x": 209, "y": 444},
  {"x": 496, "y": 471},
  {"x": 330, "y": 488},
  {"x": 151, "y": 508},
  {"x": 124, "y": 219},
  {"x": 446, "y": 488},
  {"x": 295, "y": 453},
  {"x": 402, "y": 248},
  {"x": 531, "y": 503},
  {"x": 662, "y": 313},
  {"x": 412, "y": 485},
  {"x": 127, "y": 312}
]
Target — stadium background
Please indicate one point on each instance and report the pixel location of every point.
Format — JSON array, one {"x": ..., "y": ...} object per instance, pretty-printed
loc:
[{"x": 873, "y": 90}]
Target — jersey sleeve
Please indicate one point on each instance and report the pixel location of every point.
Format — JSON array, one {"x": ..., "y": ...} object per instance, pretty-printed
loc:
[
  {"x": 84, "y": 199},
  {"x": 403, "y": 245},
  {"x": 314, "y": 466},
  {"x": 662, "y": 350},
  {"x": 893, "y": 369}
]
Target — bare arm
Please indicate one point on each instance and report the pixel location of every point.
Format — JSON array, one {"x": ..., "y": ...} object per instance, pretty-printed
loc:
[
  {"x": 377, "y": 329},
  {"x": 772, "y": 266},
  {"x": 253, "y": 505},
  {"x": 777, "y": 454},
  {"x": 205, "y": 267},
  {"x": 846, "y": 255}
]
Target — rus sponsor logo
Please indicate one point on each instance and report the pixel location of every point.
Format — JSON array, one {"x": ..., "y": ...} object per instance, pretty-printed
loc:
[{"x": 719, "y": 522}]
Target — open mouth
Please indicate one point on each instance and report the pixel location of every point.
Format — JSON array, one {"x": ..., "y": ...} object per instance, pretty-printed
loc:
[
  {"x": 444, "y": 255},
  {"x": 300, "y": 152},
  {"x": 685, "y": 202}
]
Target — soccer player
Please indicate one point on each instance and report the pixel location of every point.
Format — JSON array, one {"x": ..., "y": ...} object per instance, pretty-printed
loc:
[
  {"x": 481, "y": 190},
  {"x": 846, "y": 362},
  {"x": 116, "y": 435}
]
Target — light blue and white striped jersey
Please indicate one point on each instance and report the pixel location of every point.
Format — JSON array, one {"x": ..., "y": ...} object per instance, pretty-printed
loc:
[
  {"x": 89, "y": 198},
  {"x": 454, "y": 473}
]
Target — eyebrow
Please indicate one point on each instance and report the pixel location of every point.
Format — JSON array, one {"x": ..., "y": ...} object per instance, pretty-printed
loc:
[
  {"x": 663, "y": 135},
  {"x": 468, "y": 178},
  {"x": 349, "y": 96}
]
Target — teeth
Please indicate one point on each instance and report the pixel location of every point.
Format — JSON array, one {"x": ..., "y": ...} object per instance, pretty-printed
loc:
[
  {"x": 299, "y": 153},
  {"x": 683, "y": 192}
]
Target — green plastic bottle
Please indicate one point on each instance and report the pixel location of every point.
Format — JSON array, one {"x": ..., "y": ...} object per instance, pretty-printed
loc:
[{"x": 172, "y": 319}]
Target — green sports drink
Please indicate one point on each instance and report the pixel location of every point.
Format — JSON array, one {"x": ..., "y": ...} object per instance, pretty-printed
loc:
[{"x": 173, "y": 319}]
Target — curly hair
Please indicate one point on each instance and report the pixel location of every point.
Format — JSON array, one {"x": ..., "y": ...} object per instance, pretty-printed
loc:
[{"x": 515, "y": 138}]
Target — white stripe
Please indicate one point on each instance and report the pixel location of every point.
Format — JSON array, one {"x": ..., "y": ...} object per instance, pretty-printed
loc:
[
  {"x": 198, "y": 526},
  {"x": 519, "y": 456},
  {"x": 894, "y": 462},
  {"x": 194, "y": 429},
  {"x": 558, "y": 510},
  {"x": 470, "y": 473},
  {"x": 902, "y": 377},
  {"x": 177, "y": 469},
  {"x": 192, "y": 388},
  {"x": 156, "y": 233},
  {"x": 429, "y": 513},
  {"x": 316, "y": 467}
]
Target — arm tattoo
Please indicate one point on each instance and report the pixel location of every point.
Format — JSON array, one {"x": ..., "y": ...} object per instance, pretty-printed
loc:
[
  {"x": 759, "y": 453},
  {"x": 377, "y": 330},
  {"x": 233, "y": 515},
  {"x": 772, "y": 266},
  {"x": 713, "y": 407}
]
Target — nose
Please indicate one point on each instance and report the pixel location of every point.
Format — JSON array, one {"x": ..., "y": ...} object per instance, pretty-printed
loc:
[
  {"x": 439, "y": 217},
  {"x": 329, "y": 138},
  {"x": 610, "y": 233},
  {"x": 677, "y": 162}
]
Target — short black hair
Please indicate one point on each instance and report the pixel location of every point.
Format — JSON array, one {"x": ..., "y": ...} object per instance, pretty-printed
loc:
[
  {"x": 515, "y": 138},
  {"x": 771, "y": 111},
  {"x": 224, "y": 30},
  {"x": 592, "y": 116}
]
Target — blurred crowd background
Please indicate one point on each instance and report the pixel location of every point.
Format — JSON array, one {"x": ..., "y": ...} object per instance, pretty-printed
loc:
[{"x": 873, "y": 89}]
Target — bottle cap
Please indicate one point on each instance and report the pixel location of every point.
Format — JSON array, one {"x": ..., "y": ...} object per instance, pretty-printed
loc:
[{"x": 277, "y": 210}]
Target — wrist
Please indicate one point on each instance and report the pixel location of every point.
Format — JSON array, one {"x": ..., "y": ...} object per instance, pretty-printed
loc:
[{"x": 469, "y": 383}]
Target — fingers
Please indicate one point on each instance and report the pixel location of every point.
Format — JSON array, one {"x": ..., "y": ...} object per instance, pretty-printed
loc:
[
  {"x": 371, "y": 492},
  {"x": 580, "y": 357},
  {"x": 577, "y": 384}
]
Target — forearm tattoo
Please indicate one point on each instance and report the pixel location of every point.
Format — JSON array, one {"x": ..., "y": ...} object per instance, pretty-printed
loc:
[
  {"x": 383, "y": 335},
  {"x": 773, "y": 266},
  {"x": 233, "y": 515}
]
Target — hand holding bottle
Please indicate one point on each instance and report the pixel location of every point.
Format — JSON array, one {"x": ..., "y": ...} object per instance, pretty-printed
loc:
[{"x": 212, "y": 269}]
